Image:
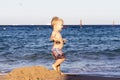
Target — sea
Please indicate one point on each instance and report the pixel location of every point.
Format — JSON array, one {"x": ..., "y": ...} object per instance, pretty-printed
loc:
[{"x": 90, "y": 49}]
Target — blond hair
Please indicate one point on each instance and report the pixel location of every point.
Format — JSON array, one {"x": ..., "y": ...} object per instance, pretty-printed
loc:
[{"x": 56, "y": 20}]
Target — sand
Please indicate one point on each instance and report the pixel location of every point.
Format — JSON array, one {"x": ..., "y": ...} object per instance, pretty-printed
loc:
[
  {"x": 2, "y": 77},
  {"x": 42, "y": 73},
  {"x": 33, "y": 73}
]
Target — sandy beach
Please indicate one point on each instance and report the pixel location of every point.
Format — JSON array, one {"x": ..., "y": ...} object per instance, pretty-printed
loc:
[
  {"x": 42, "y": 73},
  {"x": 2, "y": 77},
  {"x": 77, "y": 77}
]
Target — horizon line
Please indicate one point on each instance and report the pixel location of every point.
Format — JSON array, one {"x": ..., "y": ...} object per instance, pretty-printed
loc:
[{"x": 50, "y": 25}]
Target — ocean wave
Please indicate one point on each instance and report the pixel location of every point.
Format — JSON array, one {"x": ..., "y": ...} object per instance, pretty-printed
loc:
[{"x": 88, "y": 49}]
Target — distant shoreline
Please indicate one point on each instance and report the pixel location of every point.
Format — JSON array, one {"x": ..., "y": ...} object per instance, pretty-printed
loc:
[{"x": 64, "y": 25}]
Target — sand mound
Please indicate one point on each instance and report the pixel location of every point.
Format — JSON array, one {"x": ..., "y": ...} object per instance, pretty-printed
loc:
[{"x": 33, "y": 73}]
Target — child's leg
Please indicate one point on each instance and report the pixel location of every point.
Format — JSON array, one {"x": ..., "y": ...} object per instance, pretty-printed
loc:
[
  {"x": 56, "y": 65},
  {"x": 58, "y": 68},
  {"x": 58, "y": 55},
  {"x": 59, "y": 61}
]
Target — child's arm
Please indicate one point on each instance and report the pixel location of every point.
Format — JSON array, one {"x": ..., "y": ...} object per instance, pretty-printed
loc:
[
  {"x": 64, "y": 41},
  {"x": 52, "y": 38}
]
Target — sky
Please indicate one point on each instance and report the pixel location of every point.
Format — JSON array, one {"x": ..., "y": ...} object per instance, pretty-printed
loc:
[{"x": 40, "y": 12}]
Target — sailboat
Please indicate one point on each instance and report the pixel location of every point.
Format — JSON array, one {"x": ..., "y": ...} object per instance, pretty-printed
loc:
[
  {"x": 113, "y": 23},
  {"x": 81, "y": 23}
]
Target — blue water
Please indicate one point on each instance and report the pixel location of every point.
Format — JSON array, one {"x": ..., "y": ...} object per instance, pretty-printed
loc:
[{"x": 92, "y": 49}]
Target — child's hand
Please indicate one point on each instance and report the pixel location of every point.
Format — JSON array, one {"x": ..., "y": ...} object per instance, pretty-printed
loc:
[
  {"x": 51, "y": 40},
  {"x": 64, "y": 40}
]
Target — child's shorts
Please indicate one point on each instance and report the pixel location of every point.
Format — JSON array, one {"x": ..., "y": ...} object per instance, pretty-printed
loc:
[{"x": 57, "y": 53}]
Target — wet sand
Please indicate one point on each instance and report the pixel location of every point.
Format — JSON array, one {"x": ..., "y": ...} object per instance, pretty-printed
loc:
[
  {"x": 87, "y": 77},
  {"x": 78, "y": 77}
]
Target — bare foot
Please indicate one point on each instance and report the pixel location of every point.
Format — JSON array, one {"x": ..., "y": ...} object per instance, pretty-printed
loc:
[
  {"x": 61, "y": 73},
  {"x": 54, "y": 67}
]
